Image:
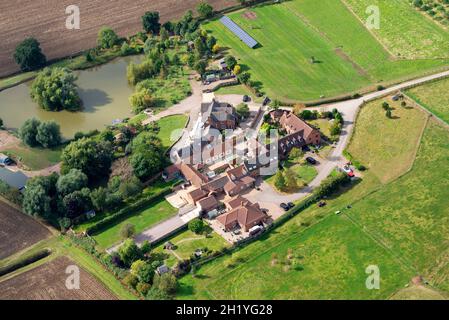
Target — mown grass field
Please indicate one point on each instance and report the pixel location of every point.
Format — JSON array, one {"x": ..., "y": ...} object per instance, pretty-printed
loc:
[
  {"x": 142, "y": 220},
  {"x": 351, "y": 58},
  {"x": 35, "y": 158},
  {"x": 399, "y": 224},
  {"x": 433, "y": 97},
  {"x": 171, "y": 129},
  {"x": 404, "y": 31}
]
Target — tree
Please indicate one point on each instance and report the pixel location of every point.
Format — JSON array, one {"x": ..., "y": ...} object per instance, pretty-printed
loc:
[
  {"x": 147, "y": 158},
  {"x": 164, "y": 34},
  {"x": 77, "y": 203},
  {"x": 204, "y": 9},
  {"x": 129, "y": 252},
  {"x": 48, "y": 134},
  {"x": 298, "y": 108},
  {"x": 141, "y": 100},
  {"x": 127, "y": 231},
  {"x": 143, "y": 271},
  {"x": 94, "y": 158},
  {"x": 237, "y": 70},
  {"x": 166, "y": 283},
  {"x": 74, "y": 180},
  {"x": 150, "y": 21},
  {"x": 156, "y": 294},
  {"x": 231, "y": 62},
  {"x": 1, "y": 123},
  {"x": 28, "y": 132},
  {"x": 244, "y": 77},
  {"x": 130, "y": 187},
  {"x": 243, "y": 110},
  {"x": 388, "y": 113},
  {"x": 143, "y": 288},
  {"x": 55, "y": 89},
  {"x": 385, "y": 106},
  {"x": 107, "y": 38},
  {"x": 279, "y": 180},
  {"x": 200, "y": 67},
  {"x": 29, "y": 56},
  {"x": 98, "y": 198},
  {"x": 196, "y": 226},
  {"x": 335, "y": 128},
  {"x": 290, "y": 179},
  {"x": 38, "y": 194}
]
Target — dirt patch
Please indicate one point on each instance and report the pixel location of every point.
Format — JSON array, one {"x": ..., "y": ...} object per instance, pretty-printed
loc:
[
  {"x": 345, "y": 57},
  {"x": 18, "y": 231},
  {"x": 45, "y": 20},
  {"x": 250, "y": 15},
  {"x": 47, "y": 282},
  {"x": 7, "y": 140}
]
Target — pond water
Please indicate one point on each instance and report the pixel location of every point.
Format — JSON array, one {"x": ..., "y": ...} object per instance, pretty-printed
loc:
[{"x": 103, "y": 89}]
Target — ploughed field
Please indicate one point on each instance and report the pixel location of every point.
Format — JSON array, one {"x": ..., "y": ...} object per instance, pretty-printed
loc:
[
  {"x": 45, "y": 20},
  {"x": 48, "y": 282},
  {"x": 18, "y": 231}
]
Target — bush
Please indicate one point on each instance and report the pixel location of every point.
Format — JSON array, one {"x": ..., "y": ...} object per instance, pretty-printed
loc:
[
  {"x": 196, "y": 226},
  {"x": 107, "y": 38},
  {"x": 127, "y": 231}
]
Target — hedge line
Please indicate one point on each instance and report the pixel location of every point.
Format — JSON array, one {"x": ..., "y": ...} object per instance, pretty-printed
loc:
[
  {"x": 23, "y": 262},
  {"x": 127, "y": 211}
]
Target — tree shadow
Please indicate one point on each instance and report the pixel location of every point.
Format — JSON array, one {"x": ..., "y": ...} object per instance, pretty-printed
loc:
[{"x": 93, "y": 99}]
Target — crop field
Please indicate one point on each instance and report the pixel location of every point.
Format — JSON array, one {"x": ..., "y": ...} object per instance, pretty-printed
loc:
[
  {"x": 18, "y": 231},
  {"x": 292, "y": 32},
  {"x": 48, "y": 282},
  {"x": 433, "y": 97},
  {"x": 45, "y": 20},
  {"x": 398, "y": 222}
]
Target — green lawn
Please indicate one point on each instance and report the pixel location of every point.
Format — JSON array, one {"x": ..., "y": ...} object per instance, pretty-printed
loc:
[
  {"x": 35, "y": 158},
  {"x": 400, "y": 225},
  {"x": 187, "y": 242},
  {"x": 351, "y": 58},
  {"x": 171, "y": 129},
  {"x": 142, "y": 220},
  {"x": 305, "y": 173},
  {"x": 434, "y": 97}
]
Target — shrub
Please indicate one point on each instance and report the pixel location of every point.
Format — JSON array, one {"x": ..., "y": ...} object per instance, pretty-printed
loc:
[
  {"x": 196, "y": 226},
  {"x": 128, "y": 230},
  {"x": 29, "y": 56}
]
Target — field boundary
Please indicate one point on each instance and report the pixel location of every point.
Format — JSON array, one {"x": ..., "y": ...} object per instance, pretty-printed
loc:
[{"x": 415, "y": 100}]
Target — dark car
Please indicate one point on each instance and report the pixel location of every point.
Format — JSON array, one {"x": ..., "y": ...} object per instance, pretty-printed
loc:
[
  {"x": 311, "y": 160},
  {"x": 246, "y": 98},
  {"x": 305, "y": 148},
  {"x": 266, "y": 101},
  {"x": 321, "y": 204},
  {"x": 290, "y": 205},
  {"x": 284, "y": 206}
]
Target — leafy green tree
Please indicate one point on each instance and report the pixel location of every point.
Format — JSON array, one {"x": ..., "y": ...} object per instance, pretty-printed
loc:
[
  {"x": 48, "y": 134},
  {"x": 243, "y": 110},
  {"x": 127, "y": 231},
  {"x": 129, "y": 252},
  {"x": 29, "y": 56},
  {"x": 77, "y": 203},
  {"x": 74, "y": 180},
  {"x": 38, "y": 194},
  {"x": 143, "y": 271},
  {"x": 291, "y": 181},
  {"x": 131, "y": 187},
  {"x": 28, "y": 132},
  {"x": 107, "y": 38},
  {"x": 141, "y": 100},
  {"x": 335, "y": 129},
  {"x": 200, "y": 67},
  {"x": 92, "y": 157},
  {"x": 157, "y": 294},
  {"x": 388, "y": 113},
  {"x": 231, "y": 62},
  {"x": 150, "y": 21},
  {"x": 164, "y": 34},
  {"x": 55, "y": 89},
  {"x": 167, "y": 283},
  {"x": 147, "y": 158},
  {"x": 196, "y": 226},
  {"x": 244, "y": 77},
  {"x": 204, "y": 9},
  {"x": 98, "y": 197},
  {"x": 279, "y": 180}
]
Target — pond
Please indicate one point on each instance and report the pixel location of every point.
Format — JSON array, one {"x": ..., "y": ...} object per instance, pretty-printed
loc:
[{"x": 103, "y": 89}]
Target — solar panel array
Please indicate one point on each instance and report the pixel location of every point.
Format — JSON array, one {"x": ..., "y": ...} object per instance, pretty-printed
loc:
[{"x": 239, "y": 32}]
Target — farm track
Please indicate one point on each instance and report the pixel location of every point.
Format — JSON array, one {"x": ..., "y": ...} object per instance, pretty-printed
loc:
[
  {"x": 45, "y": 20},
  {"x": 18, "y": 231}
]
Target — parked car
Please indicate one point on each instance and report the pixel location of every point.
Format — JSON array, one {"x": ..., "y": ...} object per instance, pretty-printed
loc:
[
  {"x": 284, "y": 206},
  {"x": 290, "y": 205},
  {"x": 321, "y": 204},
  {"x": 266, "y": 101},
  {"x": 311, "y": 160},
  {"x": 246, "y": 98},
  {"x": 305, "y": 148},
  {"x": 347, "y": 169}
]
